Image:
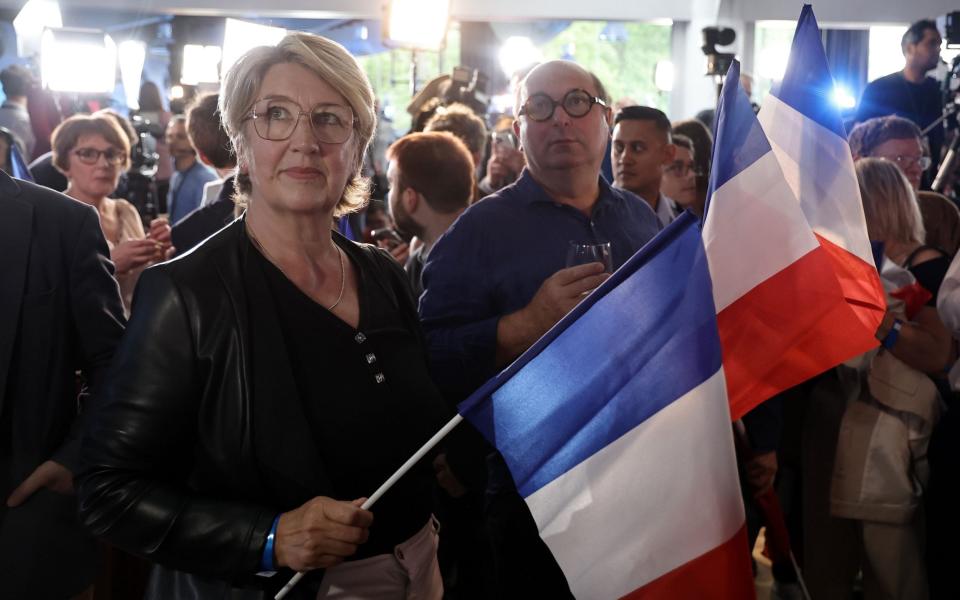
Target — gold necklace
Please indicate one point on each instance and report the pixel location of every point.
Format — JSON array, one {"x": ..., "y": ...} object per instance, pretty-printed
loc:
[{"x": 343, "y": 272}]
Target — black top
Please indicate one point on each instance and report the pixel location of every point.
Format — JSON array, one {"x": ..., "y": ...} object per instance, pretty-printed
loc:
[
  {"x": 367, "y": 396},
  {"x": 930, "y": 275}
]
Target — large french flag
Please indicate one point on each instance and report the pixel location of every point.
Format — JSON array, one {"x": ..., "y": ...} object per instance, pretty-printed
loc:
[
  {"x": 806, "y": 133},
  {"x": 616, "y": 429},
  {"x": 781, "y": 311}
]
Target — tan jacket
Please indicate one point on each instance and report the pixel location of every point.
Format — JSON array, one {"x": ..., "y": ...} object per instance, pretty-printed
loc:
[{"x": 881, "y": 467}]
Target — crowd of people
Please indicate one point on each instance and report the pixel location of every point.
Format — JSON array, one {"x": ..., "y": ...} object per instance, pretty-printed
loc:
[{"x": 217, "y": 391}]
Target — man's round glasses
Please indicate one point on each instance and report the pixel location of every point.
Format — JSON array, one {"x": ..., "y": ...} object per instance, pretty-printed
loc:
[
  {"x": 90, "y": 156},
  {"x": 682, "y": 169},
  {"x": 576, "y": 103},
  {"x": 276, "y": 119}
]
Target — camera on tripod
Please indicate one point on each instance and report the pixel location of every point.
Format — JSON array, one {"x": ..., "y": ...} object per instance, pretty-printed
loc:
[
  {"x": 718, "y": 63},
  {"x": 144, "y": 162},
  {"x": 463, "y": 85}
]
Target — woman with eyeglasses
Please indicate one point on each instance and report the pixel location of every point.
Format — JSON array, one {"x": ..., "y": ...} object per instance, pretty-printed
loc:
[
  {"x": 679, "y": 180},
  {"x": 276, "y": 375},
  {"x": 92, "y": 152}
]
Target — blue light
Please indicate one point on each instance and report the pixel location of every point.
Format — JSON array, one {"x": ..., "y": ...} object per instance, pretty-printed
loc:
[{"x": 843, "y": 98}]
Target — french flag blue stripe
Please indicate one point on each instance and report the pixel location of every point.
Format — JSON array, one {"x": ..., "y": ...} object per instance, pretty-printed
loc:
[
  {"x": 739, "y": 138},
  {"x": 643, "y": 339},
  {"x": 807, "y": 85}
]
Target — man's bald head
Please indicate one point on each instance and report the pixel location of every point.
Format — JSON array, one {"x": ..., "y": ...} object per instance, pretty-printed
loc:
[
  {"x": 563, "y": 141},
  {"x": 551, "y": 69}
]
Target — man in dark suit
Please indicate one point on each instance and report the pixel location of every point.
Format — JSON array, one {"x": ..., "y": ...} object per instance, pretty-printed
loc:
[{"x": 60, "y": 312}]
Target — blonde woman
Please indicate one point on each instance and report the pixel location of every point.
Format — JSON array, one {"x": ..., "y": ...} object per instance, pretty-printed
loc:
[
  {"x": 275, "y": 375},
  {"x": 893, "y": 218},
  {"x": 880, "y": 468}
]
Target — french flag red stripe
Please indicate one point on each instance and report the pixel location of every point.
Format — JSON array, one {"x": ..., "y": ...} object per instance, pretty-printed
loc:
[
  {"x": 768, "y": 344},
  {"x": 723, "y": 573}
]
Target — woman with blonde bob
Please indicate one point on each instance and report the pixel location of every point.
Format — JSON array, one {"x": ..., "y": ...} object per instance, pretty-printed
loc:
[
  {"x": 92, "y": 152},
  {"x": 893, "y": 218},
  {"x": 879, "y": 468},
  {"x": 276, "y": 375}
]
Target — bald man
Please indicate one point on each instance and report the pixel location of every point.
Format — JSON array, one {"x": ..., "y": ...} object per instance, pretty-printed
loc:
[{"x": 498, "y": 279}]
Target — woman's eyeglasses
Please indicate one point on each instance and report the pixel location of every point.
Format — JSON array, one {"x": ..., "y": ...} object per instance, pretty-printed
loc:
[
  {"x": 276, "y": 119},
  {"x": 91, "y": 156}
]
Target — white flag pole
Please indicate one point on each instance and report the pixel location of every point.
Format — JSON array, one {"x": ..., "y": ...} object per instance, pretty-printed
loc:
[{"x": 387, "y": 485}]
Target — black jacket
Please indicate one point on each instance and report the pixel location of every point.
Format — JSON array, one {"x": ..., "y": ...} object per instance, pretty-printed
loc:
[
  {"x": 199, "y": 440},
  {"x": 60, "y": 311},
  {"x": 205, "y": 221}
]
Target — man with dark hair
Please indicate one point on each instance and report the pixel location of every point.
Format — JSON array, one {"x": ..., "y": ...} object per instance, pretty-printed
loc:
[
  {"x": 898, "y": 140},
  {"x": 909, "y": 93},
  {"x": 190, "y": 175},
  {"x": 60, "y": 312},
  {"x": 17, "y": 82},
  {"x": 214, "y": 148},
  {"x": 431, "y": 182},
  {"x": 498, "y": 280},
  {"x": 641, "y": 150},
  {"x": 210, "y": 140}
]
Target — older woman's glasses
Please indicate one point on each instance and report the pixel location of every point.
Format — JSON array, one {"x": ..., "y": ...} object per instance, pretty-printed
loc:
[
  {"x": 906, "y": 162},
  {"x": 91, "y": 156},
  {"x": 576, "y": 103},
  {"x": 277, "y": 119}
]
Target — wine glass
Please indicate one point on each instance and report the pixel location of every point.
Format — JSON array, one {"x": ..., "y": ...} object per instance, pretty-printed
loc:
[{"x": 581, "y": 253}]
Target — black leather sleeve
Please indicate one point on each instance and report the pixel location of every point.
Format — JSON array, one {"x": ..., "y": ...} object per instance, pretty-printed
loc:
[
  {"x": 137, "y": 454},
  {"x": 97, "y": 315}
]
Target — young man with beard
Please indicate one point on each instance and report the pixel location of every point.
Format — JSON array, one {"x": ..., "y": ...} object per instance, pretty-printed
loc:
[
  {"x": 431, "y": 183},
  {"x": 909, "y": 93}
]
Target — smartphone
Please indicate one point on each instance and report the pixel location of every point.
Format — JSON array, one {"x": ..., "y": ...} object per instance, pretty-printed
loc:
[
  {"x": 388, "y": 235},
  {"x": 504, "y": 139}
]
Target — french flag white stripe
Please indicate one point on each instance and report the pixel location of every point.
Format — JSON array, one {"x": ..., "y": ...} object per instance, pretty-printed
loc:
[
  {"x": 658, "y": 497},
  {"x": 819, "y": 168},
  {"x": 754, "y": 229}
]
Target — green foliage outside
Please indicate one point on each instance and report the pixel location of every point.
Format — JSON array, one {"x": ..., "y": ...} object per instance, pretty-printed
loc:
[
  {"x": 774, "y": 39},
  {"x": 626, "y": 66},
  {"x": 389, "y": 73}
]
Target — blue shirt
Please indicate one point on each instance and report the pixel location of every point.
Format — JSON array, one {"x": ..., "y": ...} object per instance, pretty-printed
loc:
[
  {"x": 495, "y": 257},
  {"x": 186, "y": 191}
]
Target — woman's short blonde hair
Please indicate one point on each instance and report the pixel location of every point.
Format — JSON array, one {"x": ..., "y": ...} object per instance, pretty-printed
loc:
[
  {"x": 330, "y": 62},
  {"x": 889, "y": 204},
  {"x": 65, "y": 137}
]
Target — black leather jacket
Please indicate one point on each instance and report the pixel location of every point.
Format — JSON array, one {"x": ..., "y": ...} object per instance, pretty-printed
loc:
[{"x": 180, "y": 464}]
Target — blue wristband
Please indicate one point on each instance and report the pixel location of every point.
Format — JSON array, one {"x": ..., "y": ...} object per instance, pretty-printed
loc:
[
  {"x": 267, "y": 561},
  {"x": 893, "y": 335}
]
